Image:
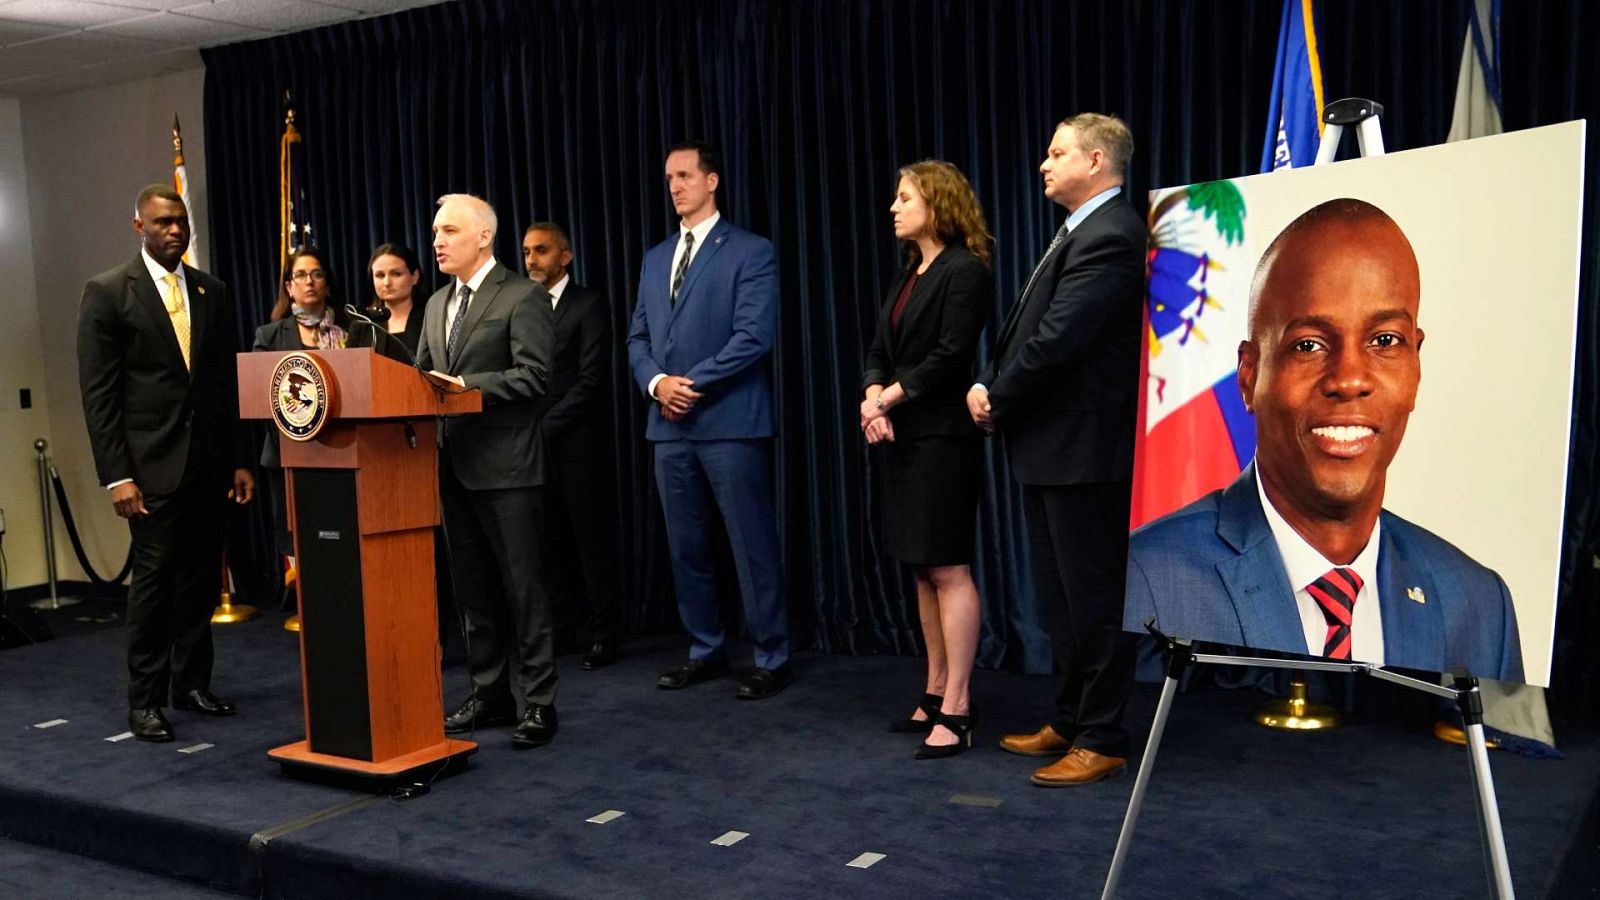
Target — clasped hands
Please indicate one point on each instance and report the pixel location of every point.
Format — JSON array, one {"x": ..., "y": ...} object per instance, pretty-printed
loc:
[
  {"x": 978, "y": 408},
  {"x": 875, "y": 422},
  {"x": 676, "y": 397}
]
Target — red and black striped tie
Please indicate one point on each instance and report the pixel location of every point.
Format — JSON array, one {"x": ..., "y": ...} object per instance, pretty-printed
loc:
[{"x": 1335, "y": 594}]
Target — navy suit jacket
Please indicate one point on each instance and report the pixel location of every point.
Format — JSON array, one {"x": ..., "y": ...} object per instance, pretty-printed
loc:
[
  {"x": 719, "y": 334},
  {"x": 1212, "y": 572}
]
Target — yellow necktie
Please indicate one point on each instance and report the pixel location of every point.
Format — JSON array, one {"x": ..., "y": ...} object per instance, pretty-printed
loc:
[{"x": 180, "y": 319}]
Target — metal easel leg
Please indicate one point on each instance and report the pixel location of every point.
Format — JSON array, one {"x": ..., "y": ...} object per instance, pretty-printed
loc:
[
  {"x": 1498, "y": 865},
  {"x": 1179, "y": 658}
]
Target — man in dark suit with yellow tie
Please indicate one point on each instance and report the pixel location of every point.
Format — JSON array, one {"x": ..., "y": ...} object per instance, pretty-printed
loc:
[
  {"x": 156, "y": 345},
  {"x": 576, "y": 427}
]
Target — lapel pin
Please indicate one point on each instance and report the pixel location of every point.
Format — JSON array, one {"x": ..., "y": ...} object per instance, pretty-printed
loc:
[
  {"x": 1415, "y": 594},
  {"x": 718, "y": 242},
  {"x": 201, "y": 288}
]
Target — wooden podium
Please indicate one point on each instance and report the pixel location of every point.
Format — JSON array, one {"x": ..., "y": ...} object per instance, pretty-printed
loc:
[{"x": 356, "y": 439}]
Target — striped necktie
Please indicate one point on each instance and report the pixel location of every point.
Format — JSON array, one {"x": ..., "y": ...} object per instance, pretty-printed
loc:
[
  {"x": 683, "y": 265},
  {"x": 454, "y": 340},
  {"x": 1335, "y": 594}
]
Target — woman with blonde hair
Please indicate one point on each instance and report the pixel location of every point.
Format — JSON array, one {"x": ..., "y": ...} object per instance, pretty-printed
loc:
[{"x": 914, "y": 408}]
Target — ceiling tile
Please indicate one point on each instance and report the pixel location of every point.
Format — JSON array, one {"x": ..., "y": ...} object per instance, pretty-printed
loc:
[
  {"x": 276, "y": 15},
  {"x": 81, "y": 48},
  {"x": 64, "y": 13},
  {"x": 183, "y": 29},
  {"x": 15, "y": 32}
]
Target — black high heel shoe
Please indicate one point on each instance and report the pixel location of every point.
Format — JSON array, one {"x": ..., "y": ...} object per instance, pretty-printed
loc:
[
  {"x": 962, "y": 726},
  {"x": 929, "y": 704}
]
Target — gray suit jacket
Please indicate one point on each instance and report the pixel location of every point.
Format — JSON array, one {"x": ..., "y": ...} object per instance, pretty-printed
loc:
[{"x": 507, "y": 344}]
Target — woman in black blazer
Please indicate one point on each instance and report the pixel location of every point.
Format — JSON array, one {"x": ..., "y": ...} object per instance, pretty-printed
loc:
[
  {"x": 916, "y": 380},
  {"x": 395, "y": 274},
  {"x": 302, "y": 319}
]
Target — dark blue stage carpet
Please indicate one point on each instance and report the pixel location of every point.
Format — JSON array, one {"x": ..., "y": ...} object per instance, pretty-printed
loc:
[{"x": 1376, "y": 809}]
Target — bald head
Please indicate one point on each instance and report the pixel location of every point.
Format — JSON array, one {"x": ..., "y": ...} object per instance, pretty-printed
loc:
[
  {"x": 1331, "y": 367},
  {"x": 1337, "y": 240},
  {"x": 463, "y": 234}
]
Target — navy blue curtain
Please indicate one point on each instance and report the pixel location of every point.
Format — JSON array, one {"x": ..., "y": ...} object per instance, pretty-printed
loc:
[{"x": 562, "y": 110}]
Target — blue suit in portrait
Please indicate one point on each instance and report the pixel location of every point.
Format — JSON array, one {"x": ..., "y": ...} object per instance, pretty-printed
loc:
[
  {"x": 1211, "y": 571},
  {"x": 720, "y": 335}
]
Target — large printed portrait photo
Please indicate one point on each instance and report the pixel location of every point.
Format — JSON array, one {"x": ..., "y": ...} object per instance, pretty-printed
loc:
[{"x": 1354, "y": 436}]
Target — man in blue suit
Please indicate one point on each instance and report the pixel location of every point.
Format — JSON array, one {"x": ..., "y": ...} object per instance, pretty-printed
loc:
[
  {"x": 1298, "y": 554},
  {"x": 699, "y": 343}
]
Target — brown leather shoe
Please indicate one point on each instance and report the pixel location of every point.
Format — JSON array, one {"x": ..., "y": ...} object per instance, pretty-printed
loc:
[
  {"x": 1044, "y": 742},
  {"x": 1078, "y": 768}
]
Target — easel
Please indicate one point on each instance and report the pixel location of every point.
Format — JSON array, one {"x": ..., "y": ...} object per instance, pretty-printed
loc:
[{"x": 1464, "y": 689}]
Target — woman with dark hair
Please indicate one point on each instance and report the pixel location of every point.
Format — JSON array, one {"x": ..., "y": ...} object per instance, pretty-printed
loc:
[
  {"x": 302, "y": 319},
  {"x": 914, "y": 408},
  {"x": 396, "y": 274}
]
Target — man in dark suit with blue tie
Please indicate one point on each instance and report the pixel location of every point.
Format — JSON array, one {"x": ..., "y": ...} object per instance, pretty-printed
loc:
[
  {"x": 1062, "y": 390},
  {"x": 1298, "y": 554},
  {"x": 490, "y": 330},
  {"x": 699, "y": 346}
]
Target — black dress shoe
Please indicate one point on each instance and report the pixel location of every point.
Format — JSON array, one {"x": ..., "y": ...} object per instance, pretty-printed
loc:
[
  {"x": 763, "y": 683},
  {"x": 692, "y": 673},
  {"x": 602, "y": 654},
  {"x": 537, "y": 727},
  {"x": 148, "y": 724},
  {"x": 204, "y": 702},
  {"x": 476, "y": 713}
]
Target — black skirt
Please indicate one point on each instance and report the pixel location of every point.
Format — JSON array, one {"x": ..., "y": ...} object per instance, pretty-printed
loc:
[{"x": 930, "y": 499}]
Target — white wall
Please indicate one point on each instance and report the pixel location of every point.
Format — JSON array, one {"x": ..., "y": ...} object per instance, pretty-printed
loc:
[
  {"x": 87, "y": 154},
  {"x": 21, "y": 362}
]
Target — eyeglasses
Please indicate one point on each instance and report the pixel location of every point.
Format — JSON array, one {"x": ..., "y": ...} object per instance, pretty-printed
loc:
[{"x": 313, "y": 275}]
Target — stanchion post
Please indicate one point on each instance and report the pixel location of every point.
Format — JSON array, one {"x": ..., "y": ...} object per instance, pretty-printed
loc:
[{"x": 54, "y": 601}]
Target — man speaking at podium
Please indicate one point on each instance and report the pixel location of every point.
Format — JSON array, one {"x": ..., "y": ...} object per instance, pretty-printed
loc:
[
  {"x": 1298, "y": 554},
  {"x": 491, "y": 330},
  {"x": 156, "y": 344}
]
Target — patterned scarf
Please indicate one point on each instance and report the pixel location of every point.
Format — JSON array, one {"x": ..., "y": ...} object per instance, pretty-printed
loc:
[{"x": 329, "y": 335}]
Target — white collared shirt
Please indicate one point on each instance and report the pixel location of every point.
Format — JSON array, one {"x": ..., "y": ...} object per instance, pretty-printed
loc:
[
  {"x": 700, "y": 232},
  {"x": 559, "y": 288},
  {"x": 1305, "y": 565},
  {"x": 475, "y": 282},
  {"x": 1089, "y": 206},
  {"x": 158, "y": 274}
]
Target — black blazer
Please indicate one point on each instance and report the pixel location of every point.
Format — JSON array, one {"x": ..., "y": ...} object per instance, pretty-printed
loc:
[
  {"x": 573, "y": 412},
  {"x": 933, "y": 353},
  {"x": 506, "y": 349},
  {"x": 281, "y": 336},
  {"x": 143, "y": 408},
  {"x": 1064, "y": 381}
]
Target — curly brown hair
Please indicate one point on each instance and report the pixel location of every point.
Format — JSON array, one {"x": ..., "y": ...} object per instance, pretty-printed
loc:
[{"x": 953, "y": 209}]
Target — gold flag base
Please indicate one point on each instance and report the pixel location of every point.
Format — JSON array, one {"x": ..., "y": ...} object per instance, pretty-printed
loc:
[
  {"x": 1296, "y": 713},
  {"x": 292, "y": 623},
  {"x": 229, "y": 613}
]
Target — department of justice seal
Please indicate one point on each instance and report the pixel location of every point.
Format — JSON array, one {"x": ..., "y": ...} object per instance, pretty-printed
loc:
[{"x": 300, "y": 396}]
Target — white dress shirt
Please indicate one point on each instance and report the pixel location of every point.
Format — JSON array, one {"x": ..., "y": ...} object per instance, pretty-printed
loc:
[
  {"x": 700, "y": 233},
  {"x": 1305, "y": 565},
  {"x": 559, "y": 288}
]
